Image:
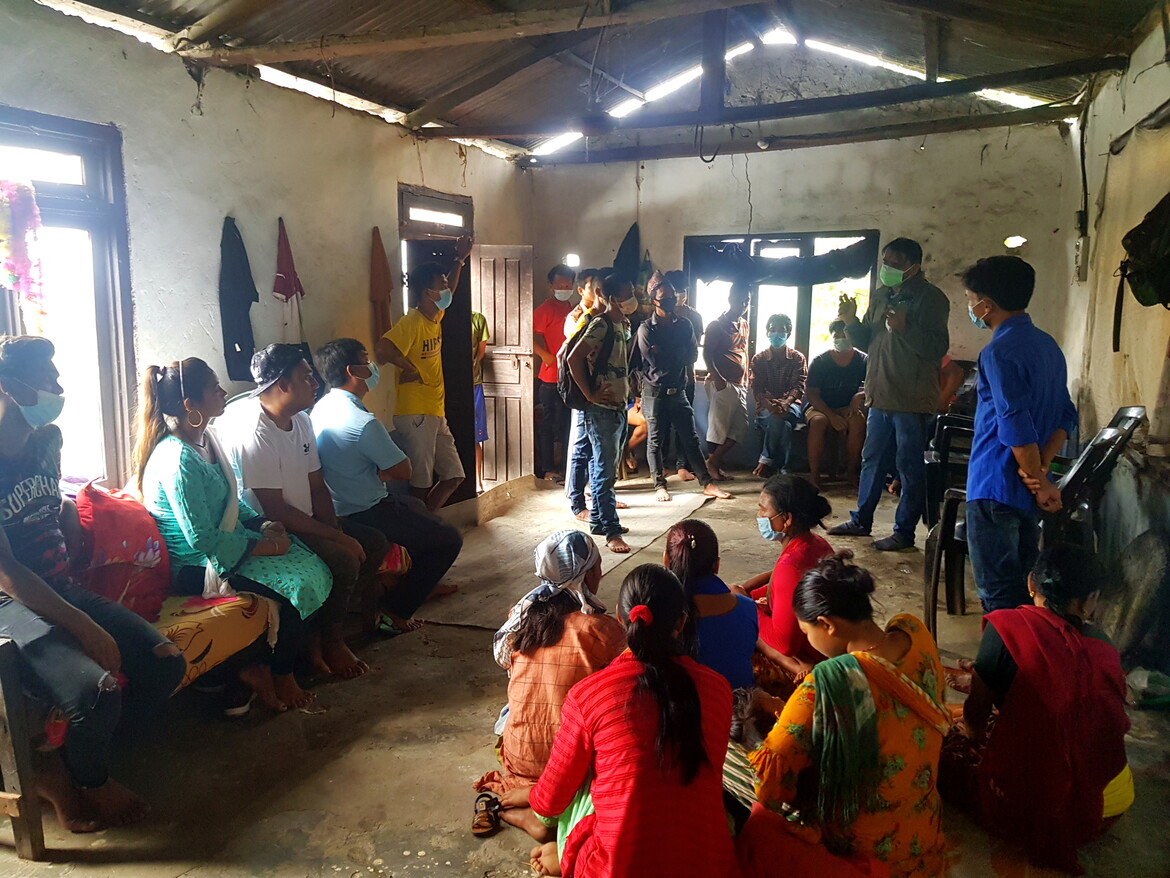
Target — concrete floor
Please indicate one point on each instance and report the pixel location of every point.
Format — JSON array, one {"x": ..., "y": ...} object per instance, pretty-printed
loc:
[{"x": 376, "y": 780}]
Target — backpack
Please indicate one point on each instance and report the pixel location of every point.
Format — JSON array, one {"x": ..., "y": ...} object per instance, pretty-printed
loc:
[
  {"x": 566, "y": 386},
  {"x": 1147, "y": 264}
]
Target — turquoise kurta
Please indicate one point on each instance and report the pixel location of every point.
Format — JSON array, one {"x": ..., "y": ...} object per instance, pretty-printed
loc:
[{"x": 187, "y": 497}]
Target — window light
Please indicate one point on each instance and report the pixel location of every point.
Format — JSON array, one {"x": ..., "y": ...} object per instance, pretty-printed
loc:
[
  {"x": 1015, "y": 242},
  {"x": 572, "y": 260},
  {"x": 558, "y": 142},
  {"x": 424, "y": 215},
  {"x": 778, "y": 36},
  {"x": 863, "y": 58},
  {"x": 626, "y": 107},
  {"x": 736, "y": 51},
  {"x": 670, "y": 86}
]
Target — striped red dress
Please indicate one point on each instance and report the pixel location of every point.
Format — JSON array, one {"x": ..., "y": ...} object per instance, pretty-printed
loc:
[{"x": 645, "y": 822}]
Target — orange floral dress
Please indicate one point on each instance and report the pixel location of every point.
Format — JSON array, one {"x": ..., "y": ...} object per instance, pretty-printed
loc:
[{"x": 901, "y": 825}]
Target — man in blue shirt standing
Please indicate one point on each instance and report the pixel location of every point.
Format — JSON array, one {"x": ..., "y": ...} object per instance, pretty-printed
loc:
[
  {"x": 358, "y": 459},
  {"x": 1024, "y": 416}
]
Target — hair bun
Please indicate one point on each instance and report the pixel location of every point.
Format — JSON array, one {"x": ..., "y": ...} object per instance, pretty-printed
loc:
[{"x": 838, "y": 570}]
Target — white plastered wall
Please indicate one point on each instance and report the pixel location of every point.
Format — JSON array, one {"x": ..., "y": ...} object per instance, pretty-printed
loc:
[
  {"x": 250, "y": 150},
  {"x": 959, "y": 194}
]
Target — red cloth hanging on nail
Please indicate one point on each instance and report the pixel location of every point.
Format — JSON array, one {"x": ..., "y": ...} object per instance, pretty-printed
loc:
[{"x": 287, "y": 284}]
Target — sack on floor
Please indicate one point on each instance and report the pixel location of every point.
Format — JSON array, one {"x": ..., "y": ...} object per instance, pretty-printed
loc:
[{"x": 1146, "y": 265}]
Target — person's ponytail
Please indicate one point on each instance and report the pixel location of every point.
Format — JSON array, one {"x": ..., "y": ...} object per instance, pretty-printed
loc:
[
  {"x": 152, "y": 425},
  {"x": 651, "y": 604}
]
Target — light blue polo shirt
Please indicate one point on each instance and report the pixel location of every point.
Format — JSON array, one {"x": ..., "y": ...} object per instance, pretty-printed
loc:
[{"x": 353, "y": 445}]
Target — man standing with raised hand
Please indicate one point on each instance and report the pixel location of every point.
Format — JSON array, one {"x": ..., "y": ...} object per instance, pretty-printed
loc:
[
  {"x": 725, "y": 352},
  {"x": 415, "y": 345},
  {"x": 905, "y": 334}
]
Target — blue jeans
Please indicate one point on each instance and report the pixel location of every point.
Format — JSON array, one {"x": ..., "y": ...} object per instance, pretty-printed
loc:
[
  {"x": 605, "y": 428},
  {"x": 56, "y": 670},
  {"x": 1003, "y": 543},
  {"x": 905, "y": 433},
  {"x": 577, "y": 470},
  {"x": 777, "y": 436}
]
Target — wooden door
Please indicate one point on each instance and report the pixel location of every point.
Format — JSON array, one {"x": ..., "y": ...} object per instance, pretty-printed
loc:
[{"x": 501, "y": 290}]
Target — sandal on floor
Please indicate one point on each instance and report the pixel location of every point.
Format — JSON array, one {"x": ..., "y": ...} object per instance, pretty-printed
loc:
[
  {"x": 387, "y": 626},
  {"x": 487, "y": 816}
]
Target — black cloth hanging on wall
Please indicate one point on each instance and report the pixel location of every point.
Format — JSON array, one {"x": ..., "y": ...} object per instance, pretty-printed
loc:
[
  {"x": 237, "y": 292},
  {"x": 731, "y": 262}
]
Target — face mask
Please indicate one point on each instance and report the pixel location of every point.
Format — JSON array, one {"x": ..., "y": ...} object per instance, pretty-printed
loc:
[
  {"x": 978, "y": 321},
  {"x": 667, "y": 305},
  {"x": 44, "y": 411},
  {"x": 563, "y": 295},
  {"x": 777, "y": 339},
  {"x": 842, "y": 345},
  {"x": 372, "y": 381},
  {"x": 890, "y": 277},
  {"x": 766, "y": 531},
  {"x": 629, "y": 306},
  {"x": 444, "y": 300}
]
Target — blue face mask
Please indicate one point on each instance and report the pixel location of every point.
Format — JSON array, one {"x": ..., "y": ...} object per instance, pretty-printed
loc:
[
  {"x": 445, "y": 298},
  {"x": 978, "y": 321},
  {"x": 777, "y": 339},
  {"x": 44, "y": 411},
  {"x": 372, "y": 381},
  {"x": 766, "y": 530}
]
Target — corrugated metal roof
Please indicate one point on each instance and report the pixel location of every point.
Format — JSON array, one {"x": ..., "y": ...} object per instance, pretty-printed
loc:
[{"x": 1002, "y": 37}]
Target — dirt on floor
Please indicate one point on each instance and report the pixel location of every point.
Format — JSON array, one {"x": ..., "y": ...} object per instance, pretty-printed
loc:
[{"x": 375, "y": 779}]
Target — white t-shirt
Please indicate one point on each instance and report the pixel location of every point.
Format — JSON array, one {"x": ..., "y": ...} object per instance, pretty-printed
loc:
[{"x": 264, "y": 456}]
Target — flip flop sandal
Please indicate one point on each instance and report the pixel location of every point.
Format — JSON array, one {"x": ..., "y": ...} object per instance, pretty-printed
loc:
[
  {"x": 487, "y": 816},
  {"x": 387, "y": 626}
]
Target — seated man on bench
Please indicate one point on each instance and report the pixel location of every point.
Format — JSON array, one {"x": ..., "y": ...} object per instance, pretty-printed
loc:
[{"x": 78, "y": 649}]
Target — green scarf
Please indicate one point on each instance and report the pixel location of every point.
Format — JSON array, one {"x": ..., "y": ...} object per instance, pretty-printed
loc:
[{"x": 844, "y": 742}]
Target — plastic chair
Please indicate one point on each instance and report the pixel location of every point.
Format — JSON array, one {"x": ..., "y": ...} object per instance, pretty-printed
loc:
[
  {"x": 946, "y": 462},
  {"x": 1081, "y": 489}
]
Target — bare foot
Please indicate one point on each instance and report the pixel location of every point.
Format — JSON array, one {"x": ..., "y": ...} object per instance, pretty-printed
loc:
[
  {"x": 894, "y": 487},
  {"x": 317, "y": 658},
  {"x": 618, "y": 504},
  {"x": 341, "y": 660},
  {"x": 443, "y": 589},
  {"x": 55, "y": 787},
  {"x": 290, "y": 692},
  {"x": 663, "y": 495},
  {"x": 685, "y": 475},
  {"x": 617, "y": 545},
  {"x": 713, "y": 490},
  {"x": 526, "y": 819},
  {"x": 583, "y": 515},
  {"x": 544, "y": 859},
  {"x": 402, "y": 623},
  {"x": 763, "y": 471},
  {"x": 113, "y": 804},
  {"x": 631, "y": 464},
  {"x": 258, "y": 678}
]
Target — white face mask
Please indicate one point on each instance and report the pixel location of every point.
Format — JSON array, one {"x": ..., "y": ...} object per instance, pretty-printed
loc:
[
  {"x": 629, "y": 306},
  {"x": 842, "y": 345},
  {"x": 563, "y": 295}
]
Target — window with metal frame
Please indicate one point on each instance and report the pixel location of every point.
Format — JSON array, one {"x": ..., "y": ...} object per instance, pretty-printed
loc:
[
  {"x": 811, "y": 307},
  {"x": 87, "y": 311}
]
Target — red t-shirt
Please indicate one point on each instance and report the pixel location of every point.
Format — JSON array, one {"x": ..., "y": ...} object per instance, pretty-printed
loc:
[
  {"x": 778, "y": 625},
  {"x": 548, "y": 320}
]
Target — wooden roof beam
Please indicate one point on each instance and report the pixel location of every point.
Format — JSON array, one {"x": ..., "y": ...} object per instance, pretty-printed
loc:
[
  {"x": 932, "y": 45},
  {"x": 803, "y": 141},
  {"x": 218, "y": 22},
  {"x": 471, "y": 30},
  {"x": 792, "y": 109}
]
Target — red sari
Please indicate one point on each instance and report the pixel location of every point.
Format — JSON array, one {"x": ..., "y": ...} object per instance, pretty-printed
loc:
[{"x": 1058, "y": 739}]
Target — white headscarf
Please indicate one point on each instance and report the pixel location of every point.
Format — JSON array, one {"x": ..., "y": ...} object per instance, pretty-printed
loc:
[{"x": 562, "y": 561}]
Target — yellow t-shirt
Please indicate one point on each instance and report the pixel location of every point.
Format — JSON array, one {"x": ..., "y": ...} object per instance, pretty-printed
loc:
[{"x": 421, "y": 342}]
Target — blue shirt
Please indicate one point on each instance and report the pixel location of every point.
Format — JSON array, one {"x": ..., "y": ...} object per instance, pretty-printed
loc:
[
  {"x": 1023, "y": 400},
  {"x": 353, "y": 445},
  {"x": 725, "y": 643}
]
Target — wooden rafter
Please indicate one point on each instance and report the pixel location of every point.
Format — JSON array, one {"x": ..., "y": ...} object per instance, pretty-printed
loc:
[
  {"x": 932, "y": 45},
  {"x": 219, "y": 21},
  {"x": 793, "y": 109},
  {"x": 713, "y": 85},
  {"x": 467, "y": 31},
  {"x": 803, "y": 141}
]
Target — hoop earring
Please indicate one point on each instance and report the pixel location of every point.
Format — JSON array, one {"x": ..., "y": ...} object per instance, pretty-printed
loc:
[{"x": 195, "y": 426}]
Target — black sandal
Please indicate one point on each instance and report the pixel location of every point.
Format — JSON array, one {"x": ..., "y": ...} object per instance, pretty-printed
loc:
[{"x": 487, "y": 816}]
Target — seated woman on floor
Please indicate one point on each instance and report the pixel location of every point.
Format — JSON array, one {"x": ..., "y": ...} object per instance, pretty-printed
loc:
[
  {"x": 1049, "y": 770},
  {"x": 725, "y": 624},
  {"x": 634, "y": 778},
  {"x": 789, "y": 509},
  {"x": 555, "y": 636},
  {"x": 855, "y": 750},
  {"x": 217, "y": 543}
]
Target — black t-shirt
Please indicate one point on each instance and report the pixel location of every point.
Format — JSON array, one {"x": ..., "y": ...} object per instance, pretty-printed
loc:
[
  {"x": 837, "y": 384},
  {"x": 30, "y": 507},
  {"x": 996, "y": 667}
]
